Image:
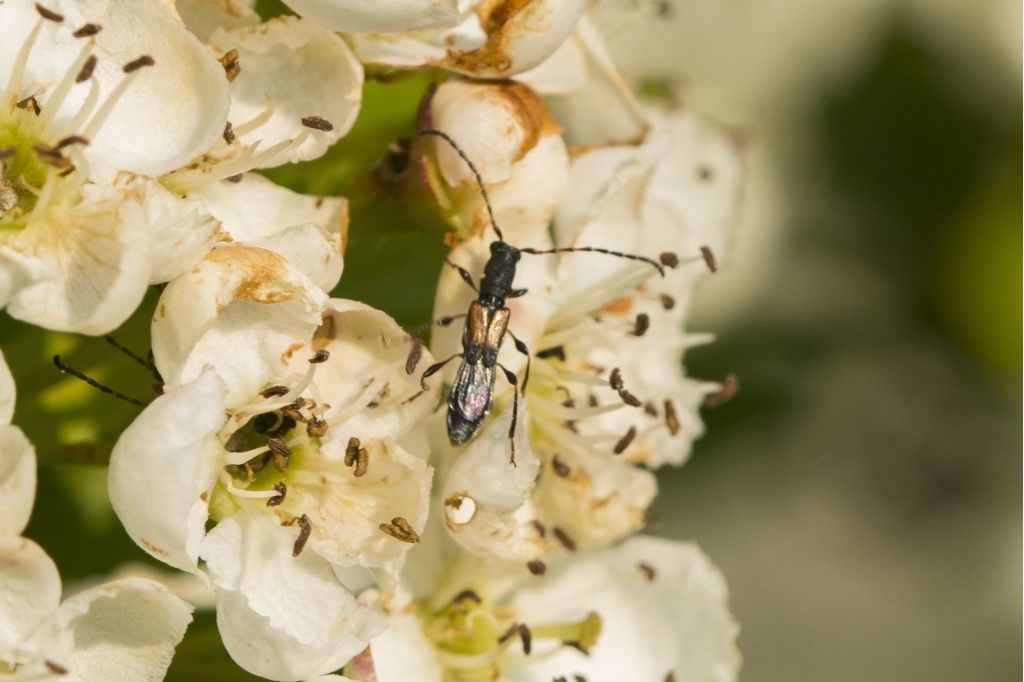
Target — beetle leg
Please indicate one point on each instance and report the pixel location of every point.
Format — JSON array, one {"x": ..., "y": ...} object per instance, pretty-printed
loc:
[
  {"x": 522, "y": 348},
  {"x": 512, "y": 379},
  {"x": 463, "y": 273},
  {"x": 434, "y": 367}
]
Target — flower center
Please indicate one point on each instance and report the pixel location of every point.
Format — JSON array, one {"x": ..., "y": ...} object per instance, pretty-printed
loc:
[{"x": 475, "y": 640}]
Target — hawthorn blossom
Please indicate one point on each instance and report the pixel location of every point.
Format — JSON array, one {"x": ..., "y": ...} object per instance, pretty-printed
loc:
[
  {"x": 120, "y": 630},
  {"x": 280, "y": 427},
  {"x": 648, "y": 609},
  {"x": 87, "y": 95}
]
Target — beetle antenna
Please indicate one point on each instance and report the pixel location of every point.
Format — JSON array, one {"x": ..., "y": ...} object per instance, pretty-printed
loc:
[
  {"x": 95, "y": 384},
  {"x": 666, "y": 259},
  {"x": 479, "y": 180},
  {"x": 134, "y": 356}
]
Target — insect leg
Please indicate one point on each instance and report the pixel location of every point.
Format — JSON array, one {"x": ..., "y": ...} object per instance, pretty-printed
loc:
[
  {"x": 522, "y": 348},
  {"x": 463, "y": 273},
  {"x": 510, "y": 376},
  {"x": 434, "y": 367}
]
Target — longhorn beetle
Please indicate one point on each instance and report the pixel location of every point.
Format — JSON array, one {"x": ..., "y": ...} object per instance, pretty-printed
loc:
[{"x": 486, "y": 324}]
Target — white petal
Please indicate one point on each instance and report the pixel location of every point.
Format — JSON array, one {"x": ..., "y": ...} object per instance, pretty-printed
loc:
[
  {"x": 29, "y": 591},
  {"x": 418, "y": 48},
  {"x": 180, "y": 234},
  {"x": 311, "y": 232},
  {"x": 17, "y": 479},
  {"x": 281, "y": 617},
  {"x": 98, "y": 254},
  {"x": 305, "y": 71},
  {"x": 163, "y": 468},
  {"x": 7, "y": 391},
  {"x": 243, "y": 310},
  {"x": 402, "y": 652},
  {"x": 521, "y": 41},
  {"x": 364, "y": 16},
  {"x": 677, "y": 622},
  {"x": 203, "y": 17},
  {"x": 169, "y": 113},
  {"x": 599, "y": 501},
  {"x": 122, "y": 631}
]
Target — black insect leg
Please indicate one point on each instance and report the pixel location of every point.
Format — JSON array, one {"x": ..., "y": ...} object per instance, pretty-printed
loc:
[
  {"x": 434, "y": 368},
  {"x": 510, "y": 376},
  {"x": 463, "y": 273},
  {"x": 522, "y": 348}
]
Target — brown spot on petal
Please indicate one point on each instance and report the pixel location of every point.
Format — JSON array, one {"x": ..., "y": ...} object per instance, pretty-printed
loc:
[
  {"x": 55, "y": 668},
  {"x": 230, "y": 63},
  {"x": 648, "y": 571},
  {"x": 262, "y": 273},
  {"x": 618, "y": 306}
]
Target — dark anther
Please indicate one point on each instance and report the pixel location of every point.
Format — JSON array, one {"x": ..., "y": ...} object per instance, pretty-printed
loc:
[
  {"x": 624, "y": 442},
  {"x": 553, "y": 352},
  {"x": 577, "y": 646},
  {"x": 415, "y": 353},
  {"x": 228, "y": 134},
  {"x": 55, "y": 668},
  {"x": 560, "y": 678},
  {"x": 317, "y": 123},
  {"x": 671, "y": 418},
  {"x": 351, "y": 451},
  {"x": 667, "y": 302},
  {"x": 467, "y": 595},
  {"x": 86, "y": 71},
  {"x": 362, "y": 463},
  {"x": 527, "y": 637},
  {"x": 592, "y": 400},
  {"x": 670, "y": 677},
  {"x": 565, "y": 539},
  {"x": 400, "y": 529},
  {"x": 230, "y": 63},
  {"x": 730, "y": 387},
  {"x": 87, "y": 30},
  {"x": 49, "y": 14},
  {"x": 305, "y": 528},
  {"x": 136, "y": 64},
  {"x": 536, "y": 567},
  {"x": 282, "y": 491},
  {"x": 669, "y": 259},
  {"x": 274, "y": 391},
  {"x": 642, "y": 324},
  {"x": 650, "y": 409},
  {"x": 320, "y": 356},
  {"x": 508, "y": 634},
  {"x": 649, "y": 573},
  {"x": 615, "y": 379},
  {"x": 32, "y": 106},
  {"x": 629, "y": 398},
  {"x": 540, "y": 528},
  {"x": 579, "y": 678},
  {"x": 316, "y": 427},
  {"x": 70, "y": 140},
  {"x": 709, "y": 258},
  {"x": 281, "y": 452},
  {"x": 559, "y": 466},
  {"x": 234, "y": 178}
]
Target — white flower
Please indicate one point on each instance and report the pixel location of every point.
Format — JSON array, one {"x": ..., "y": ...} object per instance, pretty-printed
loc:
[
  {"x": 17, "y": 464},
  {"x": 87, "y": 95},
  {"x": 279, "y": 425},
  {"x": 509, "y": 135},
  {"x": 646, "y": 610},
  {"x": 379, "y": 15}
]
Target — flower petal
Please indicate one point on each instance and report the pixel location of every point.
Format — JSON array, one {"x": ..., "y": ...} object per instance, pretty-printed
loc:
[
  {"x": 98, "y": 256},
  {"x": 163, "y": 468},
  {"x": 7, "y": 392},
  {"x": 203, "y": 17},
  {"x": 280, "y": 616},
  {"x": 29, "y": 591},
  {"x": 311, "y": 232},
  {"x": 121, "y": 630},
  {"x": 242, "y": 310},
  {"x": 180, "y": 235},
  {"x": 402, "y": 652},
  {"x": 305, "y": 71},
  {"x": 365, "y": 16},
  {"x": 17, "y": 479},
  {"x": 663, "y": 610}
]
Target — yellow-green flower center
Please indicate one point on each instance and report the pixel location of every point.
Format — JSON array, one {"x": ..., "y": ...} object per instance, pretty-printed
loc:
[{"x": 22, "y": 172}]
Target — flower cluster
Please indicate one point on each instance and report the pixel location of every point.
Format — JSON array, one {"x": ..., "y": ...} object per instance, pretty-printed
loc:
[{"x": 299, "y": 460}]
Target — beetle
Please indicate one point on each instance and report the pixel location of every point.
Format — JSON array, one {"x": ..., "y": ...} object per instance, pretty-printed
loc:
[{"x": 486, "y": 323}]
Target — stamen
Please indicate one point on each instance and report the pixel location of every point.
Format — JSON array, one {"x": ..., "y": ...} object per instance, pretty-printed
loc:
[
  {"x": 415, "y": 353},
  {"x": 55, "y": 668},
  {"x": 56, "y": 98},
  {"x": 240, "y": 458},
  {"x": 49, "y": 14},
  {"x": 624, "y": 442},
  {"x": 317, "y": 123},
  {"x": 667, "y": 302},
  {"x": 559, "y": 466},
  {"x": 400, "y": 529},
  {"x": 231, "y": 66},
  {"x": 229, "y": 485},
  {"x": 362, "y": 463},
  {"x": 730, "y": 387},
  {"x": 305, "y": 528},
  {"x": 316, "y": 427},
  {"x": 131, "y": 69},
  {"x": 650, "y": 409},
  {"x": 671, "y": 418},
  {"x": 709, "y": 258},
  {"x": 282, "y": 453},
  {"x": 564, "y": 538},
  {"x": 321, "y": 356},
  {"x": 670, "y": 677},
  {"x": 257, "y": 120},
  {"x": 18, "y": 69},
  {"x": 642, "y": 324},
  {"x": 282, "y": 491},
  {"x": 351, "y": 451},
  {"x": 536, "y": 567},
  {"x": 467, "y": 595},
  {"x": 274, "y": 391},
  {"x": 138, "y": 63},
  {"x": 228, "y": 134},
  {"x": 87, "y": 31},
  {"x": 70, "y": 140},
  {"x": 669, "y": 259},
  {"x": 649, "y": 572},
  {"x": 85, "y": 73}
]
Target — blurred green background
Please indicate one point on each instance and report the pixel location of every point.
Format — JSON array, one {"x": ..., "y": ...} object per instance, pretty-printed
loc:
[{"x": 862, "y": 494}]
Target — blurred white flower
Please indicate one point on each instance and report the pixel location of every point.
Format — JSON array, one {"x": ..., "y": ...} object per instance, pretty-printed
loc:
[
  {"x": 87, "y": 95},
  {"x": 17, "y": 463},
  {"x": 646, "y": 610},
  {"x": 279, "y": 425},
  {"x": 379, "y": 15}
]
